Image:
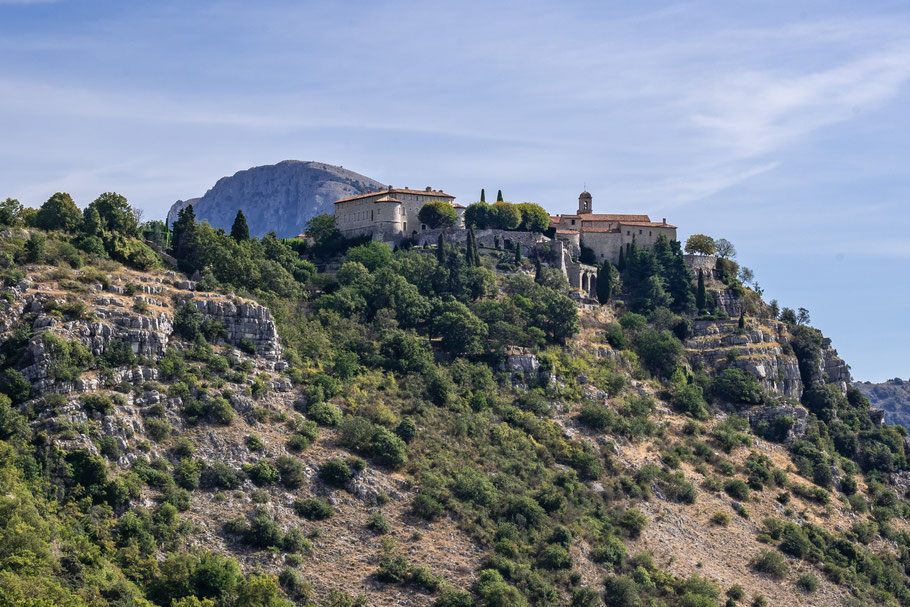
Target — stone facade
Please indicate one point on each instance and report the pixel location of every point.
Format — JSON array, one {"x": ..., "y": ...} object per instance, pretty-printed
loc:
[
  {"x": 390, "y": 214},
  {"x": 607, "y": 234}
]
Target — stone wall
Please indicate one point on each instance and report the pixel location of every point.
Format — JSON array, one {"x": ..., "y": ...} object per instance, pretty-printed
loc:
[{"x": 705, "y": 263}]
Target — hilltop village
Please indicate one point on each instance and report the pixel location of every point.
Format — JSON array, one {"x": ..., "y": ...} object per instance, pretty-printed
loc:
[{"x": 576, "y": 242}]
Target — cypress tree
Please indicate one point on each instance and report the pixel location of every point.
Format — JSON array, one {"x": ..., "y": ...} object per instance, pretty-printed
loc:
[
  {"x": 499, "y": 196},
  {"x": 483, "y": 195},
  {"x": 518, "y": 253},
  {"x": 475, "y": 255},
  {"x": 605, "y": 283},
  {"x": 621, "y": 264},
  {"x": 240, "y": 231},
  {"x": 538, "y": 270},
  {"x": 469, "y": 252},
  {"x": 700, "y": 295},
  {"x": 441, "y": 249},
  {"x": 742, "y": 320}
]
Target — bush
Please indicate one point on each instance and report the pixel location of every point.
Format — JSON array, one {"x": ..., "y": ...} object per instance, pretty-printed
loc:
[
  {"x": 737, "y": 489},
  {"x": 290, "y": 471},
  {"x": 335, "y": 472},
  {"x": 314, "y": 509},
  {"x": 157, "y": 428},
  {"x": 737, "y": 386},
  {"x": 425, "y": 506},
  {"x": 553, "y": 557},
  {"x": 807, "y": 582},
  {"x": 720, "y": 518},
  {"x": 262, "y": 473},
  {"x": 98, "y": 403},
  {"x": 324, "y": 414},
  {"x": 378, "y": 523},
  {"x": 611, "y": 553},
  {"x": 770, "y": 563},
  {"x": 620, "y": 591},
  {"x": 219, "y": 475}
]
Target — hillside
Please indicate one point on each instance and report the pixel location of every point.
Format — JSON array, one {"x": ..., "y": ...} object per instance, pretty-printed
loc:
[
  {"x": 892, "y": 397},
  {"x": 276, "y": 197},
  {"x": 448, "y": 427}
]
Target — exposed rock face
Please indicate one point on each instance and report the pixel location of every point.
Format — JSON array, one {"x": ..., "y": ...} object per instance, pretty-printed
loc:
[
  {"x": 242, "y": 320},
  {"x": 757, "y": 351},
  {"x": 112, "y": 318},
  {"x": 769, "y": 415},
  {"x": 892, "y": 396},
  {"x": 834, "y": 368},
  {"x": 279, "y": 197}
]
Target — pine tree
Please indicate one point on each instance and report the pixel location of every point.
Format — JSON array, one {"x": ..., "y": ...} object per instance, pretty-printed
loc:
[
  {"x": 700, "y": 295},
  {"x": 441, "y": 249},
  {"x": 483, "y": 195},
  {"x": 240, "y": 231},
  {"x": 499, "y": 196},
  {"x": 184, "y": 235},
  {"x": 518, "y": 253},
  {"x": 605, "y": 283}
]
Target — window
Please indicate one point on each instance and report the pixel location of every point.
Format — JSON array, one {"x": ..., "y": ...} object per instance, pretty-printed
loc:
[
  {"x": 639, "y": 231},
  {"x": 573, "y": 222}
]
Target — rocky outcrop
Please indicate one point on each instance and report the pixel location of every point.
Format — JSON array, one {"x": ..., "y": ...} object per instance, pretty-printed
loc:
[
  {"x": 834, "y": 369},
  {"x": 892, "y": 397},
  {"x": 243, "y": 321},
  {"x": 769, "y": 417},
  {"x": 716, "y": 345},
  {"x": 279, "y": 197}
]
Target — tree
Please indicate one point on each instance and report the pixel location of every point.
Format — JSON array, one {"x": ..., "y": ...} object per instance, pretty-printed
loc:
[
  {"x": 621, "y": 264},
  {"x": 700, "y": 244},
  {"x": 240, "y": 231},
  {"x": 59, "y": 213},
  {"x": 725, "y": 249},
  {"x": 116, "y": 214},
  {"x": 321, "y": 228},
  {"x": 741, "y": 325},
  {"x": 518, "y": 253},
  {"x": 437, "y": 214},
  {"x": 788, "y": 316},
  {"x": 533, "y": 217},
  {"x": 441, "y": 249},
  {"x": 605, "y": 282},
  {"x": 477, "y": 215},
  {"x": 700, "y": 293},
  {"x": 483, "y": 195},
  {"x": 802, "y": 316},
  {"x": 504, "y": 216},
  {"x": 462, "y": 333},
  {"x": 746, "y": 276},
  {"x": 499, "y": 196},
  {"x": 184, "y": 237},
  {"x": 10, "y": 213},
  {"x": 773, "y": 309},
  {"x": 91, "y": 222},
  {"x": 472, "y": 255}
]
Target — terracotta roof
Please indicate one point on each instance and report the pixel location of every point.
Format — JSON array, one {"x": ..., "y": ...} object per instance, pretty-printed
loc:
[
  {"x": 388, "y": 198},
  {"x": 605, "y": 230},
  {"x": 647, "y": 224},
  {"x": 614, "y": 217},
  {"x": 566, "y": 231},
  {"x": 458, "y": 206},
  {"x": 433, "y": 193}
]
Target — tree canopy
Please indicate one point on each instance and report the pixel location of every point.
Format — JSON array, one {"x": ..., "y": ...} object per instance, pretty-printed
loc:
[
  {"x": 438, "y": 214},
  {"x": 700, "y": 244},
  {"x": 59, "y": 213}
]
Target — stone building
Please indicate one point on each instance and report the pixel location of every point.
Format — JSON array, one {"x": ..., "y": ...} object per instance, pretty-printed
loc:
[
  {"x": 389, "y": 214},
  {"x": 606, "y": 234}
]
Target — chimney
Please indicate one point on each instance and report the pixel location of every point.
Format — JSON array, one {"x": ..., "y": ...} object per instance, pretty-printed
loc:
[
  {"x": 390, "y": 188},
  {"x": 665, "y": 221},
  {"x": 429, "y": 189}
]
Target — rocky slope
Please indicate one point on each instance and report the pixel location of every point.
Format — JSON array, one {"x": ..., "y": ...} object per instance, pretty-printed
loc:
[
  {"x": 892, "y": 396},
  {"x": 279, "y": 197}
]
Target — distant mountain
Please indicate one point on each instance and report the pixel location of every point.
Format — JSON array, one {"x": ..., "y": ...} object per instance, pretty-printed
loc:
[
  {"x": 893, "y": 396},
  {"x": 276, "y": 198}
]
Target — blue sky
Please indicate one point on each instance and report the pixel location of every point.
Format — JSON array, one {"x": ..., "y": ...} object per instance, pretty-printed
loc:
[{"x": 782, "y": 127}]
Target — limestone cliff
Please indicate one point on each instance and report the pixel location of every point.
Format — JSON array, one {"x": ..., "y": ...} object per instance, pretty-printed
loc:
[{"x": 278, "y": 197}]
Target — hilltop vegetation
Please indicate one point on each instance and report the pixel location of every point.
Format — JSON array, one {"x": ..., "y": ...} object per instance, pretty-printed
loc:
[{"x": 447, "y": 424}]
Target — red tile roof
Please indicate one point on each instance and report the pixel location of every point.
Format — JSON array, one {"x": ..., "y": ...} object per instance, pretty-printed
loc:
[
  {"x": 647, "y": 224},
  {"x": 433, "y": 193}
]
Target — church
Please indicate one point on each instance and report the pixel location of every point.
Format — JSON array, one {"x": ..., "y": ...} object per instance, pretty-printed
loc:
[{"x": 606, "y": 234}]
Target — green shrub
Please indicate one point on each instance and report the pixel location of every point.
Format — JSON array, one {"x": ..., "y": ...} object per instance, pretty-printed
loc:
[
  {"x": 219, "y": 475},
  {"x": 324, "y": 414},
  {"x": 262, "y": 473},
  {"x": 290, "y": 471},
  {"x": 254, "y": 443},
  {"x": 737, "y": 489},
  {"x": 738, "y": 386},
  {"x": 612, "y": 553},
  {"x": 770, "y": 563},
  {"x": 807, "y": 582},
  {"x": 426, "y": 506},
  {"x": 378, "y": 523},
  {"x": 720, "y": 518},
  {"x": 98, "y": 403},
  {"x": 314, "y": 509},
  {"x": 157, "y": 428},
  {"x": 335, "y": 472}
]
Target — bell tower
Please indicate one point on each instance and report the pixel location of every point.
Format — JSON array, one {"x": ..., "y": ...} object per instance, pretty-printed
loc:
[{"x": 585, "y": 203}]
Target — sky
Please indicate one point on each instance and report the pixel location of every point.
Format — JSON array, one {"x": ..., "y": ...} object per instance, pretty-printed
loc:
[{"x": 781, "y": 126}]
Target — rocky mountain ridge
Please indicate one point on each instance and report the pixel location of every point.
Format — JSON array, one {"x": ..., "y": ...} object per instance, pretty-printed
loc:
[
  {"x": 892, "y": 396},
  {"x": 278, "y": 197}
]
